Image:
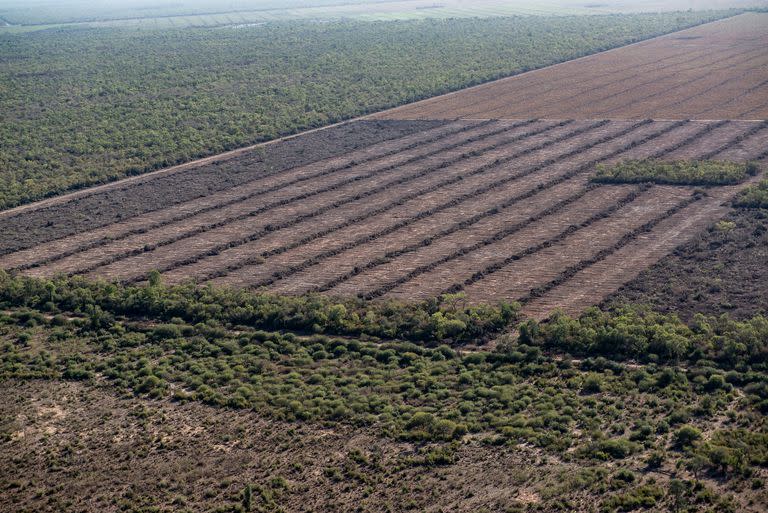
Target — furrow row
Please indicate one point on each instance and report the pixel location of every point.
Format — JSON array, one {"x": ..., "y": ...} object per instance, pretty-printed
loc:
[
  {"x": 594, "y": 283},
  {"x": 632, "y": 100},
  {"x": 243, "y": 233},
  {"x": 597, "y": 89},
  {"x": 244, "y": 212},
  {"x": 568, "y": 273},
  {"x": 444, "y": 203},
  {"x": 427, "y": 268},
  {"x": 513, "y": 276},
  {"x": 256, "y": 187},
  {"x": 480, "y": 191},
  {"x": 604, "y": 213}
]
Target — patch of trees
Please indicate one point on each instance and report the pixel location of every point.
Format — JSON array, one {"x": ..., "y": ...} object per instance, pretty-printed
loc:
[
  {"x": 644, "y": 335},
  {"x": 443, "y": 319},
  {"x": 86, "y": 106},
  {"x": 681, "y": 172},
  {"x": 754, "y": 196}
]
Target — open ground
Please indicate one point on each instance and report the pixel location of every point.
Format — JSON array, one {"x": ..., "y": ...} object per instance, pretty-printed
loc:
[
  {"x": 715, "y": 71},
  {"x": 497, "y": 209}
]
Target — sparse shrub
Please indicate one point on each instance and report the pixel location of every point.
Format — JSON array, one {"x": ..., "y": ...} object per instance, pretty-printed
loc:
[{"x": 686, "y": 436}]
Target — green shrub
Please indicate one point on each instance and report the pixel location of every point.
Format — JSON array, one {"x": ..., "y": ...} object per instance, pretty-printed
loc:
[
  {"x": 686, "y": 436},
  {"x": 615, "y": 448},
  {"x": 754, "y": 196},
  {"x": 642, "y": 497}
]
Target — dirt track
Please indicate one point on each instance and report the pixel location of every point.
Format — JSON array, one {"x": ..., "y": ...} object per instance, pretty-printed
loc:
[{"x": 715, "y": 71}]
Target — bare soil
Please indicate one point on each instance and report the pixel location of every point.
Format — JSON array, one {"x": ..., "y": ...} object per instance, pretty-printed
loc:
[
  {"x": 69, "y": 446},
  {"x": 715, "y": 71},
  {"x": 73, "y": 447}
]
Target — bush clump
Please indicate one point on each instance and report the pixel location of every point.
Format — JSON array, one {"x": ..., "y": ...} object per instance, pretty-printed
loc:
[
  {"x": 680, "y": 172},
  {"x": 754, "y": 196}
]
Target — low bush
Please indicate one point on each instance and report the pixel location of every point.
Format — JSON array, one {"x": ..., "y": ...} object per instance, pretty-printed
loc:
[
  {"x": 642, "y": 334},
  {"x": 754, "y": 196},
  {"x": 428, "y": 321}
]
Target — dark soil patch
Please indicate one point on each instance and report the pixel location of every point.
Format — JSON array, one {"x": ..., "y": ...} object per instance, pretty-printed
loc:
[
  {"x": 723, "y": 270},
  {"x": 69, "y": 447},
  {"x": 93, "y": 211}
]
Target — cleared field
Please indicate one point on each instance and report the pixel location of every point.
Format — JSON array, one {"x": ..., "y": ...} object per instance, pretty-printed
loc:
[
  {"x": 497, "y": 209},
  {"x": 715, "y": 71},
  {"x": 500, "y": 209}
]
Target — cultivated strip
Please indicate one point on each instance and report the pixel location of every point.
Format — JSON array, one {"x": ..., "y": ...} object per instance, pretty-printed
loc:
[
  {"x": 568, "y": 273},
  {"x": 634, "y": 100},
  {"x": 419, "y": 216},
  {"x": 540, "y": 260},
  {"x": 594, "y": 89}
]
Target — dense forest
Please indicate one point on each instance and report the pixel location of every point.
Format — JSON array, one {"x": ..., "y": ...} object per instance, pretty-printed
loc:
[{"x": 84, "y": 106}]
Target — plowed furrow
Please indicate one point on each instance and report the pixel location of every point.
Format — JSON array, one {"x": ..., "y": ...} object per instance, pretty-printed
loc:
[
  {"x": 292, "y": 212},
  {"x": 590, "y": 285},
  {"x": 437, "y": 270},
  {"x": 636, "y": 80},
  {"x": 475, "y": 184},
  {"x": 629, "y": 99},
  {"x": 720, "y": 138},
  {"x": 703, "y": 96},
  {"x": 760, "y": 108},
  {"x": 740, "y": 95},
  {"x": 515, "y": 279},
  {"x": 242, "y": 214},
  {"x": 379, "y": 266},
  {"x": 468, "y": 265},
  {"x": 468, "y": 196},
  {"x": 524, "y": 86},
  {"x": 422, "y": 252}
]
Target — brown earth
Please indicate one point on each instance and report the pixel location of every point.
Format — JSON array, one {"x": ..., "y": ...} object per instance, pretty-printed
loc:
[{"x": 714, "y": 71}]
